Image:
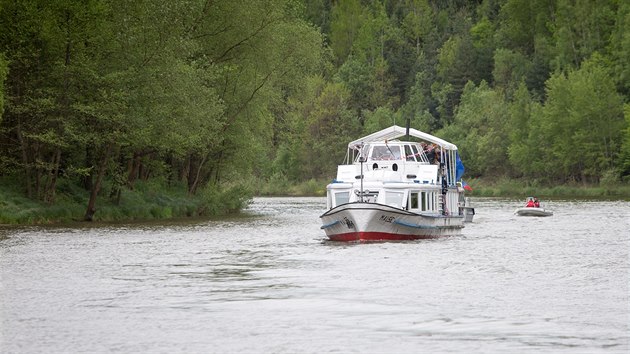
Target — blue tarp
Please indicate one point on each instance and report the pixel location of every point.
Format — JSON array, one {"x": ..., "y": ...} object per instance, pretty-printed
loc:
[{"x": 459, "y": 171}]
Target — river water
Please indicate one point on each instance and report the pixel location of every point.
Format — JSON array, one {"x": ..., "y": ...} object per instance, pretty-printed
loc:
[{"x": 269, "y": 282}]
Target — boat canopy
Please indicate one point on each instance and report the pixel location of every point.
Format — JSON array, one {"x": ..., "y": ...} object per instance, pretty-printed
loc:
[
  {"x": 454, "y": 168},
  {"x": 395, "y": 131}
]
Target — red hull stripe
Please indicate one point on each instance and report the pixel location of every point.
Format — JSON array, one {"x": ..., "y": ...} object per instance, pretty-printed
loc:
[{"x": 376, "y": 236}]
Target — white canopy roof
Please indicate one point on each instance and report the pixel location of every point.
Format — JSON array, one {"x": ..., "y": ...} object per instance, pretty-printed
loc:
[{"x": 395, "y": 131}]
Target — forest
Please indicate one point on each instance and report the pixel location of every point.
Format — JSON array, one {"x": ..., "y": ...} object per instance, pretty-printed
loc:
[{"x": 210, "y": 100}]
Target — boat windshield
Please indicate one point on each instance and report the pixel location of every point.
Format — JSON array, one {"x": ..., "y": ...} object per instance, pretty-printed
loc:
[
  {"x": 384, "y": 152},
  {"x": 417, "y": 153}
]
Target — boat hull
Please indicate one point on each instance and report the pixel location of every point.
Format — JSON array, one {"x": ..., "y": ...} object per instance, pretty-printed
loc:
[
  {"x": 377, "y": 222},
  {"x": 532, "y": 212}
]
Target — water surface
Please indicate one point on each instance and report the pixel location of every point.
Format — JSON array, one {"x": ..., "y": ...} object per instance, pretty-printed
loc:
[{"x": 268, "y": 282}]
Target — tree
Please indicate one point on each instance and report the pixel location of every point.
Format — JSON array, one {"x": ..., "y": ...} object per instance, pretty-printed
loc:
[
  {"x": 4, "y": 67},
  {"x": 526, "y": 147},
  {"x": 482, "y": 34},
  {"x": 357, "y": 76},
  {"x": 625, "y": 146},
  {"x": 620, "y": 48},
  {"x": 261, "y": 52},
  {"x": 583, "y": 123},
  {"x": 49, "y": 47},
  {"x": 417, "y": 23},
  {"x": 318, "y": 12},
  {"x": 331, "y": 125},
  {"x": 480, "y": 128},
  {"x": 417, "y": 108},
  {"x": 381, "y": 118},
  {"x": 510, "y": 69},
  {"x": 581, "y": 28},
  {"x": 524, "y": 25},
  {"x": 456, "y": 66},
  {"x": 347, "y": 19}
]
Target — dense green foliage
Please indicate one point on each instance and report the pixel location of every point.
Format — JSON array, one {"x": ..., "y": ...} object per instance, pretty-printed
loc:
[{"x": 106, "y": 94}]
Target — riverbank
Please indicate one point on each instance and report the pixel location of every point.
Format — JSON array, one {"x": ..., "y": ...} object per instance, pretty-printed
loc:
[
  {"x": 281, "y": 187},
  {"x": 514, "y": 188},
  {"x": 148, "y": 200},
  {"x": 504, "y": 188},
  {"x": 155, "y": 200}
]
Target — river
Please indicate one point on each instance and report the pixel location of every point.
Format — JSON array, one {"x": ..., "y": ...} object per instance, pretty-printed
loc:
[{"x": 269, "y": 282}]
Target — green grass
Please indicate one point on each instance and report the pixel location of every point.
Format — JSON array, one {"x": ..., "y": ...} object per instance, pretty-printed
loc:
[
  {"x": 156, "y": 199},
  {"x": 280, "y": 186},
  {"x": 149, "y": 200},
  {"x": 504, "y": 187},
  {"x": 514, "y": 188}
]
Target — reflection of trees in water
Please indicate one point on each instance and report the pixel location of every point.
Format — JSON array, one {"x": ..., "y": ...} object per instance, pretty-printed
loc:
[{"x": 237, "y": 275}]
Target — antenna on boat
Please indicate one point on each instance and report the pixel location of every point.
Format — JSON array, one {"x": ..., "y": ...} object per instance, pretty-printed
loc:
[{"x": 408, "y": 126}]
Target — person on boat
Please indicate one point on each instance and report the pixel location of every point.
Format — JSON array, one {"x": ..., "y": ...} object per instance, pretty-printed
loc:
[
  {"x": 536, "y": 203},
  {"x": 429, "y": 152},
  {"x": 530, "y": 203},
  {"x": 438, "y": 155}
]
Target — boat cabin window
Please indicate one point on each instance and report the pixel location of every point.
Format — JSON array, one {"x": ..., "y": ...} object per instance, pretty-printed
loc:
[
  {"x": 385, "y": 153},
  {"x": 420, "y": 156},
  {"x": 409, "y": 154},
  {"x": 341, "y": 198},
  {"x": 413, "y": 200},
  {"x": 394, "y": 199},
  {"x": 424, "y": 201}
]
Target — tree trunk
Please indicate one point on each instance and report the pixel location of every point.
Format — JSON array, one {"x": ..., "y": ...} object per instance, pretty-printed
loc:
[
  {"x": 170, "y": 176},
  {"x": 192, "y": 189},
  {"x": 118, "y": 182},
  {"x": 91, "y": 208},
  {"x": 134, "y": 166},
  {"x": 183, "y": 173},
  {"x": 88, "y": 180},
  {"x": 25, "y": 160},
  {"x": 145, "y": 169},
  {"x": 52, "y": 178},
  {"x": 37, "y": 193},
  {"x": 190, "y": 176},
  {"x": 217, "y": 171}
]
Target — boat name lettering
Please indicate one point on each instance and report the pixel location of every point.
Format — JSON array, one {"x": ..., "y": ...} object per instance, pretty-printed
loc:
[
  {"x": 386, "y": 218},
  {"x": 348, "y": 222}
]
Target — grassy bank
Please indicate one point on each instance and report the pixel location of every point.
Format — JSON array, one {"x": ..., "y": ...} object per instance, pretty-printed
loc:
[
  {"x": 149, "y": 200},
  {"x": 154, "y": 200},
  {"x": 280, "y": 186},
  {"x": 513, "y": 188},
  {"x": 506, "y": 188}
]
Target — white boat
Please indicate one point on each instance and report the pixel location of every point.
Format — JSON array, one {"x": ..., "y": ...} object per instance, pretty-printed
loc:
[
  {"x": 532, "y": 208},
  {"x": 532, "y": 211},
  {"x": 389, "y": 190}
]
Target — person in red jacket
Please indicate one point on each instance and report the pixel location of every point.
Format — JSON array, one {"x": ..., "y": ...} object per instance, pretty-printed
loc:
[
  {"x": 536, "y": 203},
  {"x": 530, "y": 203}
]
